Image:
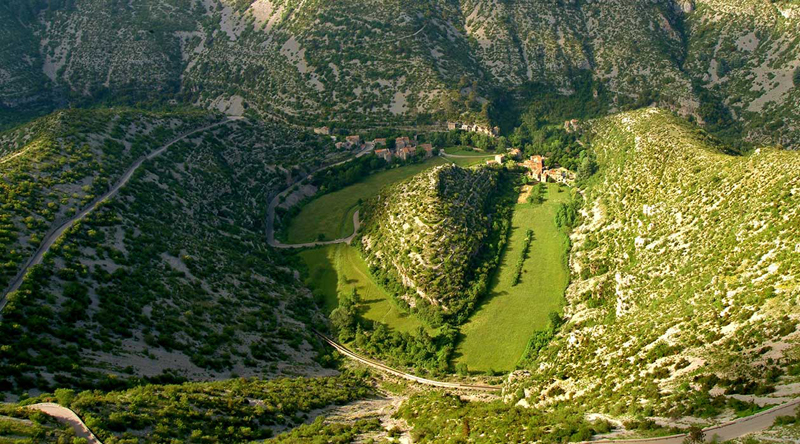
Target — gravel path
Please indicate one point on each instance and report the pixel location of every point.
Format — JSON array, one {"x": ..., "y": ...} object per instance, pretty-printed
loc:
[
  {"x": 277, "y": 200},
  {"x": 67, "y": 416}
]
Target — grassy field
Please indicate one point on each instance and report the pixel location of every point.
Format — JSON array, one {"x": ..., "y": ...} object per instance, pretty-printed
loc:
[
  {"x": 337, "y": 269},
  {"x": 467, "y": 161},
  {"x": 332, "y": 214},
  {"x": 497, "y": 333},
  {"x": 466, "y": 151}
]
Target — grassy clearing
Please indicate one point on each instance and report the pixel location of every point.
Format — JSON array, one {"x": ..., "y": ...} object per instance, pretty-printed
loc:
[
  {"x": 496, "y": 335},
  {"x": 465, "y": 162},
  {"x": 332, "y": 214},
  {"x": 337, "y": 269},
  {"x": 466, "y": 151}
]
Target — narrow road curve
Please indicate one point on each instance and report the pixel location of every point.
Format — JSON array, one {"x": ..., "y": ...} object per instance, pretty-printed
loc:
[
  {"x": 377, "y": 365},
  {"x": 344, "y": 240},
  {"x": 277, "y": 200},
  {"x": 54, "y": 233},
  {"x": 68, "y": 417},
  {"x": 723, "y": 432}
]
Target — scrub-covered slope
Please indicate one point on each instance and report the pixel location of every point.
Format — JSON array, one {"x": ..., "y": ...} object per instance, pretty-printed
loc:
[
  {"x": 172, "y": 274},
  {"x": 426, "y": 238},
  {"x": 374, "y": 62},
  {"x": 685, "y": 270}
]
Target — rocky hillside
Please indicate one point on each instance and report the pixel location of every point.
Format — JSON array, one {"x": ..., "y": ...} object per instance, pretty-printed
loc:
[
  {"x": 730, "y": 65},
  {"x": 426, "y": 238},
  {"x": 685, "y": 276},
  {"x": 173, "y": 275}
]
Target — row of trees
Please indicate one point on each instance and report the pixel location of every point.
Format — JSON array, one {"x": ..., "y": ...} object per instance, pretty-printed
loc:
[{"x": 522, "y": 257}]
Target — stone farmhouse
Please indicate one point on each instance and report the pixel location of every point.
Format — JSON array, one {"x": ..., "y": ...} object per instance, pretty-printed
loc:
[{"x": 540, "y": 173}]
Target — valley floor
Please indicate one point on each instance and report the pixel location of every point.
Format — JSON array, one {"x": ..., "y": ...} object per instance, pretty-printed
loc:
[
  {"x": 337, "y": 269},
  {"x": 497, "y": 334}
]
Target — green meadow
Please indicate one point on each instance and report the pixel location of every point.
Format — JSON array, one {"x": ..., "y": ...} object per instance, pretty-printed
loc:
[
  {"x": 337, "y": 269},
  {"x": 332, "y": 214},
  {"x": 497, "y": 333}
]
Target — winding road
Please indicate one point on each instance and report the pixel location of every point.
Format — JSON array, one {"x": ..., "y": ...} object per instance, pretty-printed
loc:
[
  {"x": 273, "y": 204},
  {"x": 55, "y": 232},
  {"x": 385, "y": 368},
  {"x": 723, "y": 432}
]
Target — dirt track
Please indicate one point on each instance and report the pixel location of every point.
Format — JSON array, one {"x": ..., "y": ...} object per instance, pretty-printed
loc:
[{"x": 67, "y": 416}]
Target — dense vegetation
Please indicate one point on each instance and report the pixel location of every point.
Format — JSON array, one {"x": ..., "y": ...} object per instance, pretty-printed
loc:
[
  {"x": 229, "y": 411},
  {"x": 447, "y": 209}
]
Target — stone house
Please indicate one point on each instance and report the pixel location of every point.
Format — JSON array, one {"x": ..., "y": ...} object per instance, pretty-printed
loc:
[
  {"x": 384, "y": 154},
  {"x": 402, "y": 142},
  {"x": 428, "y": 150}
]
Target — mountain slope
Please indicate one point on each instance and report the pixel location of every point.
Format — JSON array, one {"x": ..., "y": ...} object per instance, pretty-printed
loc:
[
  {"x": 173, "y": 275},
  {"x": 685, "y": 274},
  {"x": 384, "y": 61}
]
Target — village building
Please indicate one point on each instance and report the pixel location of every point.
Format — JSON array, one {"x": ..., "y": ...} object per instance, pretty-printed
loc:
[
  {"x": 492, "y": 162},
  {"x": 402, "y": 142},
  {"x": 323, "y": 130},
  {"x": 428, "y": 150},
  {"x": 535, "y": 166},
  {"x": 499, "y": 158},
  {"x": 384, "y": 154},
  {"x": 353, "y": 140},
  {"x": 515, "y": 153},
  {"x": 406, "y": 152},
  {"x": 538, "y": 172},
  {"x": 571, "y": 126},
  {"x": 379, "y": 142},
  {"x": 473, "y": 128}
]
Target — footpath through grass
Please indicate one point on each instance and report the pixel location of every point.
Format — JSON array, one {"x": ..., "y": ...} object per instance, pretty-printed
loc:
[
  {"x": 496, "y": 335},
  {"x": 337, "y": 269},
  {"x": 332, "y": 214}
]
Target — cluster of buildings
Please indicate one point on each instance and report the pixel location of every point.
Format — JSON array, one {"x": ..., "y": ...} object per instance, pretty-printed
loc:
[
  {"x": 452, "y": 126},
  {"x": 404, "y": 148},
  {"x": 539, "y": 172},
  {"x": 536, "y": 167}
]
